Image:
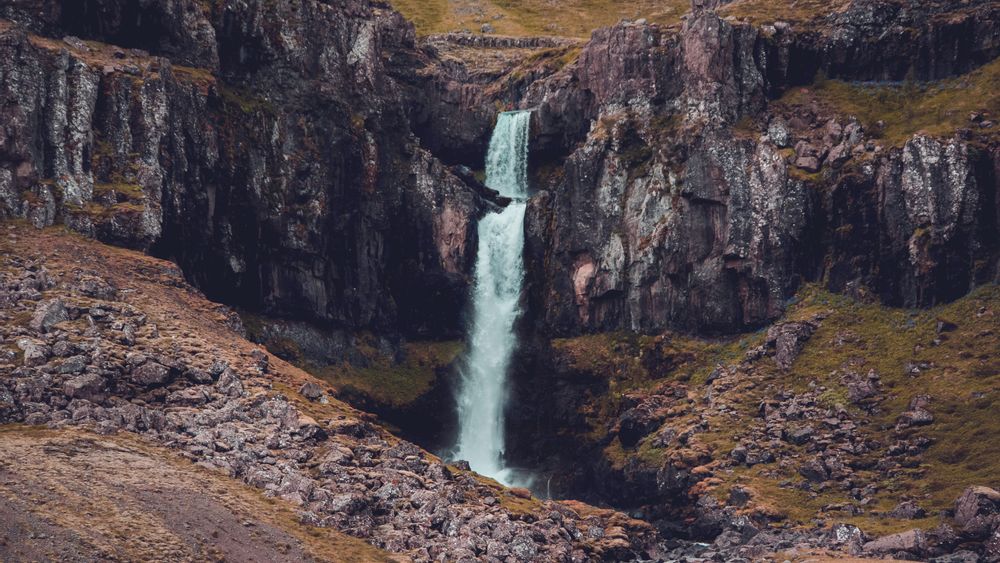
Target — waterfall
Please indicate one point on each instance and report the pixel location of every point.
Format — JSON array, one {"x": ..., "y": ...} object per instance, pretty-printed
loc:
[{"x": 499, "y": 273}]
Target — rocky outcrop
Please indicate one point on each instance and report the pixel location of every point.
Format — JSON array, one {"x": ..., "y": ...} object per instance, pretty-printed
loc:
[
  {"x": 665, "y": 210},
  {"x": 685, "y": 202},
  {"x": 272, "y": 161},
  {"x": 700, "y": 436}
]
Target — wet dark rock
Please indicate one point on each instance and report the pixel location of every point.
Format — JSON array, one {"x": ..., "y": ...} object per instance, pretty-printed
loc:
[{"x": 635, "y": 424}]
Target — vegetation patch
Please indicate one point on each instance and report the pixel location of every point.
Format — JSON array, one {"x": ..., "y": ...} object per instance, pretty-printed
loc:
[
  {"x": 392, "y": 383},
  {"x": 202, "y": 78},
  {"x": 119, "y": 191},
  {"x": 960, "y": 373},
  {"x": 898, "y": 111},
  {"x": 245, "y": 101},
  {"x": 628, "y": 363},
  {"x": 955, "y": 346},
  {"x": 570, "y": 18},
  {"x": 792, "y": 11}
]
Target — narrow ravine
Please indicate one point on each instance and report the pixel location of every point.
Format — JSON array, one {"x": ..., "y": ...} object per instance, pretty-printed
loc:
[{"x": 499, "y": 275}]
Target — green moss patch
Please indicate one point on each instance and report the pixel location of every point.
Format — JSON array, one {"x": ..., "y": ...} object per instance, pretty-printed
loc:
[
  {"x": 961, "y": 375},
  {"x": 244, "y": 101},
  {"x": 935, "y": 108},
  {"x": 394, "y": 384},
  {"x": 120, "y": 191}
]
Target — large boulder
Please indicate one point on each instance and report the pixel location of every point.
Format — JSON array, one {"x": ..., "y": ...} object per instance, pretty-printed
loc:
[
  {"x": 35, "y": 353},
  {"x": 150, "y": 374},
  {"x": 788, "y": 340},
  {"x": 910, "y": 542},
  {"x": 47, "y": 314},
  {"x": 89, "y": 387},
  {"x": 977, "y": 511}
]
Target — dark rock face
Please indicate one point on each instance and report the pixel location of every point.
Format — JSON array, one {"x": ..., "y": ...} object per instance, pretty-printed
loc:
[
  {"x": 275, "y": 166},
  {"x": 177, "y": 29},
  {"x": 667, "y": 214},
  {"x": 886, "y": 41},
  {"x": 285, "y": 165}
]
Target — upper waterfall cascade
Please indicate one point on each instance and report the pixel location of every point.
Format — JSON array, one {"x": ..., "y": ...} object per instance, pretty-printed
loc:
[{"x": 499, "y": 274}]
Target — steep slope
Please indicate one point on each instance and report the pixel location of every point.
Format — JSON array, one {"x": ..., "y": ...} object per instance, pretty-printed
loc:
[
  {"x": 843, "y": 413},
  {"x": 114, "y": 341}
]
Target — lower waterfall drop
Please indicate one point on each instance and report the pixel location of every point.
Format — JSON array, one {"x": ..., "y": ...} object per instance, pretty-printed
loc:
[{"x": 499, "y": 273}]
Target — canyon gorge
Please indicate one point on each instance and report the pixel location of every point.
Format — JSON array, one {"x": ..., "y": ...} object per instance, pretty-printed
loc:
[{"x": 457, "y": 280}]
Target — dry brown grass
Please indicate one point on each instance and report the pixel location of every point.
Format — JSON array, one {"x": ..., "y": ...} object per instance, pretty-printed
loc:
[
  {"x": 569, "y": 18},
  {"x": 792, "y": 11},
  {"x": 118, "y": 497}
]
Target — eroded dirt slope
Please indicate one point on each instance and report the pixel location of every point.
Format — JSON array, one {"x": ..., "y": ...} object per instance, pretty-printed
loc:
[{"x": 71, "y": 495}]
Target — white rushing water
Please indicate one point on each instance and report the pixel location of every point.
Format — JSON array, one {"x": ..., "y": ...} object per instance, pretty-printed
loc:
[{"x": 499, "y": 274}]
